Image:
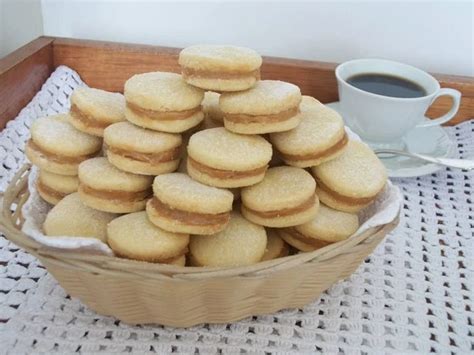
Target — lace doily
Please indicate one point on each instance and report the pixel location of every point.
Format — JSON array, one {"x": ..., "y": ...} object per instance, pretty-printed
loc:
[{"x": 413, "y": 294}]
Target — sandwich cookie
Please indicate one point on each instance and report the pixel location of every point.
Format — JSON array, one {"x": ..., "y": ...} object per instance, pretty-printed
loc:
[
  {"x": 133, "y": 236},
  {"x": 163, "y": 102},
  {"x": 318, "y": 138},
  {"x": 93, "y": 110},
  {"x": 220, "y": 158},
  {"x": 351, "y": 181},
  {"x": 241, "y": 243},
  {"x": 142, "y": 151},
  {"x": 270, "y": 106},
  {"x": 220, "y": 68},
  {"x": 53, "y": 187},
  {"x": 329, "y": 226},
  {"x": 276, "y": 247},
  {"x": 182, "y": 205},
  {"x": 71, "y": 218},
  {"x": 285, "y": 197},
  {"x": 104, "y": 187},
  {"x": 213, "y": 116},
  {"x": 56, "y": 146}
]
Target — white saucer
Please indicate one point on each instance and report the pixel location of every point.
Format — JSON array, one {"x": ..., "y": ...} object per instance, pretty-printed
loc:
[{"x": 433, "y": 141}]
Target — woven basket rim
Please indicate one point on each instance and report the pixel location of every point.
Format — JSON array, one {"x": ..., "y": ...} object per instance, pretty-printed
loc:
[{"x": 11, "y": 221}]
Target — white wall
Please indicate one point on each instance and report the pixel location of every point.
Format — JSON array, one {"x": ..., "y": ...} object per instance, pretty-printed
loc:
[
  {"x": 20, "y": 22},
  {"x": 436, "y": 36}
]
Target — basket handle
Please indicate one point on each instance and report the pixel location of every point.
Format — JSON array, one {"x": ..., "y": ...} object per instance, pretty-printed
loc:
[{"x": 10, "y": 218}]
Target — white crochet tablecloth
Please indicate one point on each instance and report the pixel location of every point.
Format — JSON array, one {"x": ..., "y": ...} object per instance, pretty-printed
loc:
[{"x": 413, "y": 294}]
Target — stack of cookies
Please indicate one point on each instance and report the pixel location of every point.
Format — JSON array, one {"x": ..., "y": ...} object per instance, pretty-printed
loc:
[{"x": 213, "y": 167}]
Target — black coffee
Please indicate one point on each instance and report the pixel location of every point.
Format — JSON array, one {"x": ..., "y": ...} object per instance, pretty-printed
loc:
[{"x": 386, "y": 85}]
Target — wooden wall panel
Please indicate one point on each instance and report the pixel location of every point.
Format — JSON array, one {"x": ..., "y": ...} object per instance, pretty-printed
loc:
[
  {"x": 22, "y": 73},
  {"x": 108, "y": 65}
]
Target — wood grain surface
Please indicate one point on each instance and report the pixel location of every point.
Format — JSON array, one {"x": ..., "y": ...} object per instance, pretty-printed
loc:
[
  {"x": 108, "y": 65},
  {"x": 114, "y": 63},
  {"x": 21, "y": 75}
]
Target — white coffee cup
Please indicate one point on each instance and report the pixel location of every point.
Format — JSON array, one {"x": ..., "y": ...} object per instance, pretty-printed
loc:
[{"x": 382, "y": 121}]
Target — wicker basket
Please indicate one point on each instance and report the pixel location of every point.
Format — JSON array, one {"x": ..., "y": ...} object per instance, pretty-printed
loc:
[{"x": 138, "y": 292}]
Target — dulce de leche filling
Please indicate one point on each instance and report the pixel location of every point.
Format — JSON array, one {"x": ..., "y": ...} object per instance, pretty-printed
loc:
[
  {"x": 271, "y": 118},
  {"x": 162, "y": 115},
  {"x": 116, "y": 195},
  {"x": 302, "y": 238},
  {"x": 193, "y": 218},
  {"x": 325, "y": 153},
  {"x": 208, "y": 74},
  {"x": 225, "y": 174},
  {"x": 49, "y": 191},
  {"x": 152, "y": 158},
  {"x": 87, "y": 120},
  {"x": 354, "y": 201},
  {"x": 61, "y": 159},
  {"x": 286, "y": 211}
]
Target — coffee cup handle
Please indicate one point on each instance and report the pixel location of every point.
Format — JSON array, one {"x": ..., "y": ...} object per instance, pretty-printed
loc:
[{"x": 456, "y": 95}]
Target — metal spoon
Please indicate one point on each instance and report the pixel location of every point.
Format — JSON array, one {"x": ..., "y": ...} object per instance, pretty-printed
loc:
[{"x": 452, "y": 163}]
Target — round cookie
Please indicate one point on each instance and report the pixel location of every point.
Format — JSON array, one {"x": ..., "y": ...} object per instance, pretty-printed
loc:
[
  {"x": 276, "y": 247},
  {"x": 285, "y": 197},
  {"x": 93, "y": 110},
  {"x": 53, "y": 187},
  {"x": 220, "y": 158},
  {"x": 133, "y": 236},
  {"x": 295, "y": 243},
  {"x": 220, "y": 67},
  {"x": 56, "y": 146},
  {"x": 213, "y": 116},
  {"x": 270, "y": 106},
  {"x": 142, "y": 151},
  {"x": 318, "y": 138},
  {"x": 351, "y": 181},
  {"x": 163, "y": 102},
  {"x": 329, "y": 226},
  {"x": 182, "y": 205},
  {"x": 241, "y": 243},
  {"x": 71, "y": 218},
  {"x": 104, "y": 187}
]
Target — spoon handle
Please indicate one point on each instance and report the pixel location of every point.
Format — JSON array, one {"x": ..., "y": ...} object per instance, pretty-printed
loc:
[{"x": 452, "y": 163}]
